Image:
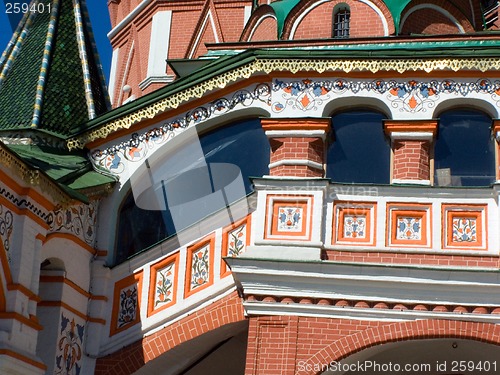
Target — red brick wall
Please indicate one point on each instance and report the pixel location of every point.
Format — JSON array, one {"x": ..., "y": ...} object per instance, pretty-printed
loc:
[
  {"x": 132, "y": 357},
  {"x": 266, "y": 30},
  {"x": 272, "y": 345},
  {"x": 297, "y": 148},
  {"x": 318, "y": 22},
  {"x": 411, "y": 160},
  {"x": 207, "y": 36},
  {"x": 296, "y": 171},
  {"x": 378, "y": 333},
  {"x": 416, "y": 259},
  {"x": 433, "y": 22},
  {"x": 428, "y": 21},
  {"x": 183, "y": 27},
  {"x": 301, "y": 148},
  {"x": 284, "y": 345}
]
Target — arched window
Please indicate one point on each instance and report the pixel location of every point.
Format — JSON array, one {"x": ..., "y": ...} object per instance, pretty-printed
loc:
[
  {"x": 341, "y": 18},
  {"x": 240, "y": 148},
  {"x": 359, "y": 153},
  {"x": 464, "y": 150}
]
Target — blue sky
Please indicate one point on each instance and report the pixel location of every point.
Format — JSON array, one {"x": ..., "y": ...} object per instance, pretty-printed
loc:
[{"x": 99, "y": 17}]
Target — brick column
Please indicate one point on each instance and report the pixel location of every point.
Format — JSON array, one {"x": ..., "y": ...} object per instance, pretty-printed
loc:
[
  {"x": 496, "y": 134},
  {"x": 272, "y": 345},
  {"x": 412, "y": 143},
  {"x": 297, "y": 146}
]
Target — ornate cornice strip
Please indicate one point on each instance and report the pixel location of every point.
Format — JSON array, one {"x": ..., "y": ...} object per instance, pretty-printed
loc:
[
  {"x": 141, "y": 145},
  {"x": 280, "y": 65}
]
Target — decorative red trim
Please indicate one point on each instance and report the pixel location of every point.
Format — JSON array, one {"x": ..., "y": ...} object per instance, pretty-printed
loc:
[
  {"x": 210, "y": 241},
  {"x": 152, "y": 283},
  {"x": 119, "y": 285},
  {"x": 224, "y": 269}
]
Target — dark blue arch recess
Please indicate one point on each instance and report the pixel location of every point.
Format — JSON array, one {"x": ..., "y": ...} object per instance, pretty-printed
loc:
[
  {"x": 243, "y": 144},
  {"x": 359, "y": 153},
  {"x": 464, "y": 153}
]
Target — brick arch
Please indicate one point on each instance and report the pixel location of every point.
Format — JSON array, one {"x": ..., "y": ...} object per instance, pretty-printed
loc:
[
  {"x": 324, "y": 9},
  {"x": 413, "y": 330},
  {"x": 262, "y": 15},
  {"x": 131, "y": 358},
  {"x": 441, "y": 12}
]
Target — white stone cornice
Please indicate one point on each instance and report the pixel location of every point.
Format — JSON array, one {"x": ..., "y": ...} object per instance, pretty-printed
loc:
[
  {"x": 412, "y": 136},
  {"x": 296, "y": 134},
  {"x": 305, "y": 162},
  {"x": 158, "y": 79},
  {"x": 411, "y": 182},
  {"x": 138, "y": 9},
  {"x": 336, "y": 312},
  {"x": 368, "y": 282}
]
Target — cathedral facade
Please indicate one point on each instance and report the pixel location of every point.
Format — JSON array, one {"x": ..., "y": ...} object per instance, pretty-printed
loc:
[{"x": 264, "y": 188}]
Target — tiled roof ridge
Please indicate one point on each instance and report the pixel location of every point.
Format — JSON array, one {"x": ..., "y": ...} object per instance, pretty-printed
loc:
[{"x": 47, "y": 56}]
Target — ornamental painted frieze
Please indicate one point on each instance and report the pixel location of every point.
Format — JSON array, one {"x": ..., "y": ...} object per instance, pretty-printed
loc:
[
  {"x": 6, "y": 227},
  {"x": 140, "y": 145},
  {"x": 69, "y": 347},
  {"x": 413, "y": 96},
  {"x": 25, "y": 204},
  {"x": 78, "y": 220}
]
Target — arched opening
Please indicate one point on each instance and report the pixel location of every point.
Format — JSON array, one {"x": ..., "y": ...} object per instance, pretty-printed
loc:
[
  {"x": 201, "y": 176},
  {"x": 359, "y": 152},
  {"x": 220, "y": 351},
  {"x": 464, "y": 149},
  {"x": 341, "y": 21},
  {"x": 52, "y": 264}
]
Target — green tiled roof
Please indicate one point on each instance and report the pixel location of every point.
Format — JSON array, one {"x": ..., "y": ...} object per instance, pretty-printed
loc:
[
  {"x": 46, "y": 82},
  {"x": 68, "y": 169}
]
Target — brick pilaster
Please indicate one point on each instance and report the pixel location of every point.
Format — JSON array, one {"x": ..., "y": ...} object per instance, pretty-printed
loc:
[
  {"x": 272, "y": 345},
  {"x": 412, "y": 143},
  {"x": 297, "y": 146}
]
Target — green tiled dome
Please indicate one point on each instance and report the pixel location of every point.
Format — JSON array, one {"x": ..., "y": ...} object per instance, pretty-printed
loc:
[{"x": 46, "y": 83}]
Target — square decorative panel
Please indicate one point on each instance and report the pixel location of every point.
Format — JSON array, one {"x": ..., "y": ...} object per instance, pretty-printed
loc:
[
  {"x": 200, "y": 266},
  {"x": 288, "y": 217},
  {"x": 464, "y": 228},
  {"x": 235, "y": 240},
  {"x": 409, "y": 225},
  {"x": 163, "y": 284},
  {"x": 409, "y": 228},
  {"x": 126, "y": 303},
  {"x": 354, "y": 223},
  {"x": 354, "y": 226}
]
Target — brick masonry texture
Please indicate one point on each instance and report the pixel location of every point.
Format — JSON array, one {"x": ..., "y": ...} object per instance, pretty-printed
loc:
[
  {"x": 276, "y": 345},
  {"x": 411, "y": 160},
  {"x": 129, "y": 359}
]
